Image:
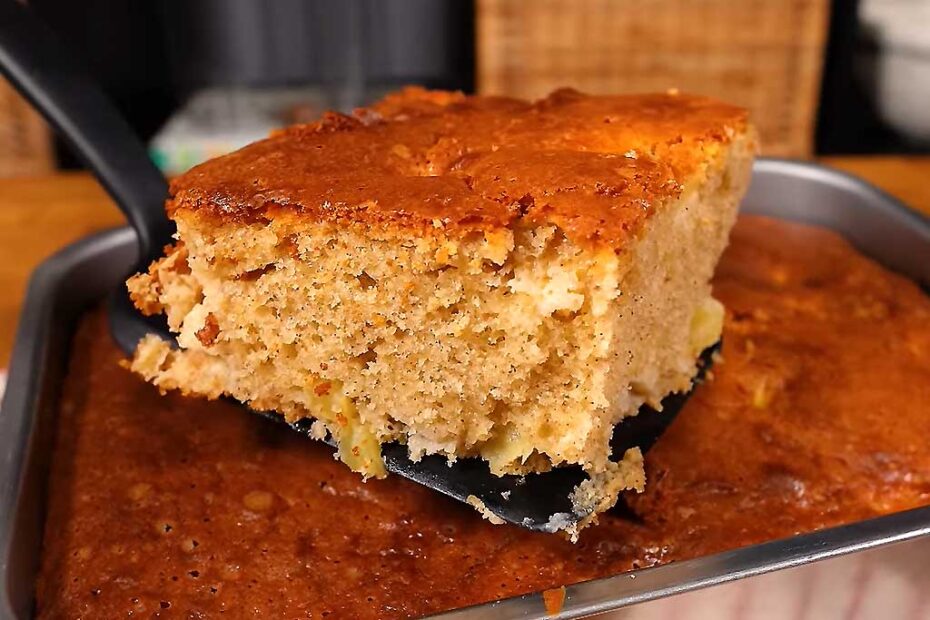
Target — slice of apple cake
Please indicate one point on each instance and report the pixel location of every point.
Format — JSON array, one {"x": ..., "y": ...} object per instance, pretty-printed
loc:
[{"x": 469, "y": 276}]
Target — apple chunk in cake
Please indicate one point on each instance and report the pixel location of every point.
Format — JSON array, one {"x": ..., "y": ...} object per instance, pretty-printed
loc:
[{"x": 467, "y": 276}]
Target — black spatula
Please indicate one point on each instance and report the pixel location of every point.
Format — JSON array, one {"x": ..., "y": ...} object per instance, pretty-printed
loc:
[{"x": 33, "y": 60}]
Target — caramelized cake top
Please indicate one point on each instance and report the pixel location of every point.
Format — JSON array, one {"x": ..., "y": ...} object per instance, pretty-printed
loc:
[{"x": 595, "y": 166}]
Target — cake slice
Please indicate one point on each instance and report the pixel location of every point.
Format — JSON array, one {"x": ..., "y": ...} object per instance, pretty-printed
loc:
[{"x": 469, "y": 276}]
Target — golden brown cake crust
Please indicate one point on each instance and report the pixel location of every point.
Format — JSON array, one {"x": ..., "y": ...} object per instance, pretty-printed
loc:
[{"x": 595, "y": 166}]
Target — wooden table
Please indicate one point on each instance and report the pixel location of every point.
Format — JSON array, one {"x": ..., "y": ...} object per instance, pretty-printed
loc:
[{"x": 40, "y": 215}]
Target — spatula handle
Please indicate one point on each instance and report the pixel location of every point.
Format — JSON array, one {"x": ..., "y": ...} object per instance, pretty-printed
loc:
[{"x": 36, "y": 63}]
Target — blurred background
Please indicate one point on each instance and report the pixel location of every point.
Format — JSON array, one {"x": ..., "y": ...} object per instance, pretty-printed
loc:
[{"x": 197, "y": 78}]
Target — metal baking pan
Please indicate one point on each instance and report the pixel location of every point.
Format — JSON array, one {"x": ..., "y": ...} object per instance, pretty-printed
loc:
[{"x": 66, "y": 284}]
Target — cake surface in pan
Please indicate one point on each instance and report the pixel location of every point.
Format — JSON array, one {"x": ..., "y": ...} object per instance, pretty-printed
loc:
[
  {"x": 467, "y": 276},
  {"x": 186, "y": 507}
]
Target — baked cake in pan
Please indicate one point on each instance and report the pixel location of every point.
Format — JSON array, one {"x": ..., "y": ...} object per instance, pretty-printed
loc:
[{"x": 469, "y": 276}]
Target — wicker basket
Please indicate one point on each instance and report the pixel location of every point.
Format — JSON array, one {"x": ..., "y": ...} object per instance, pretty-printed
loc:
[
  {"x": 25, "y": 139},
  {"x": 763, "y": 54}
]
